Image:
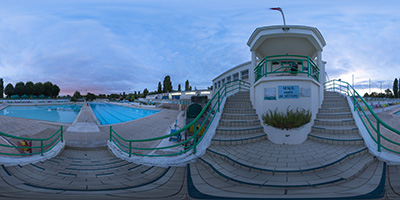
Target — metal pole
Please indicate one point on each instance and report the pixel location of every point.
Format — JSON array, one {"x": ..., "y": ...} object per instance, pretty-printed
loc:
[{"x": 62, "y": 137}]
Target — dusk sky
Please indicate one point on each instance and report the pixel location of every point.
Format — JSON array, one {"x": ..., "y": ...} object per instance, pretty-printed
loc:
[{"x": 114, "y": 46}]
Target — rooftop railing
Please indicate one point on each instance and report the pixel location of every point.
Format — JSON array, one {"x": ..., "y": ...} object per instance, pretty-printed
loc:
[
  {"x": 286, "y": 64},
  {"x": 381, "y": 133},
  {"x": 199, "y": 126},
  {"x": 23, "y": 146}
]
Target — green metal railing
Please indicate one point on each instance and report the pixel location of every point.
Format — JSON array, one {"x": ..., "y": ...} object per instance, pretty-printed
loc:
[
  {"x": 291, "y": 64},
  {"x": 372, "y": 122},
  {"x": 44, "y": 145},
  {"x": 140, "y": 147}
]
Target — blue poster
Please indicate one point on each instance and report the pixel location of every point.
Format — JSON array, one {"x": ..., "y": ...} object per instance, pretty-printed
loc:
[{"x": 288, "y": 92}]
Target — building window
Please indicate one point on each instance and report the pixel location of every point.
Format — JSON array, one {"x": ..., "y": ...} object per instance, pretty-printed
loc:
[
  {"x": 219, "y": 84},
  {"x": 223, "y": 82},
  {"x": 245, "y": 74},
  {"x": 236, "y": 76},
  {"x": 228, "y": 79},
  {"x": 215, "y": 86}
]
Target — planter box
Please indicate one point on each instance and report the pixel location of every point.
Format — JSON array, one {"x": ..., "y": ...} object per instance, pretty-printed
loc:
[{"x": 291, "y": 136}]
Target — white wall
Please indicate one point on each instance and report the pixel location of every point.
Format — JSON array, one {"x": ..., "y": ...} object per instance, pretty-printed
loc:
[{"x": 262, "y": 106}]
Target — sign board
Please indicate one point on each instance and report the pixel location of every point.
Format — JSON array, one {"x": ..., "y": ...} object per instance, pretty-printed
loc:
[
  {"x": 270, "y": 93},
  {"x": 288, "y": 92}
]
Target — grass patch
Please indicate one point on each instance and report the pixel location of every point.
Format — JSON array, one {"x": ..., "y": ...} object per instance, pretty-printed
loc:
[{"x": 290, "y": 119}]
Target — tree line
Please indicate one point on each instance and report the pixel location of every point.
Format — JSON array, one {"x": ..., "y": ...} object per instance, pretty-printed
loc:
[
  {"x": 394, "y": 93},
  {"x": 30, "y": 90}
]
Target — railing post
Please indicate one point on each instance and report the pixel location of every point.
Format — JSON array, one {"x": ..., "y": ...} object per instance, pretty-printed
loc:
[
  {"x": 225, "y": 91},
  {"x": 110, "y": 133},
  {"x": 333, "y": 85},
  {"x": 378, "y": 133},
  {"x": 130, "y": 148},
  {"x": 195, "y": 139},
  {"x": 218, "y": 100},
  {"x": 62, "y": 134},
  {"x": 41, "y": 147}
]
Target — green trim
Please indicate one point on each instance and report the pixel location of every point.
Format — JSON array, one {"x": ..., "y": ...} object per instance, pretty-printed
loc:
[{"x": 212, "y": 107}]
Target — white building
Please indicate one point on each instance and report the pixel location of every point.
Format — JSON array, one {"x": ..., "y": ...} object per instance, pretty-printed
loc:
[{"x": 286, "y": 69}]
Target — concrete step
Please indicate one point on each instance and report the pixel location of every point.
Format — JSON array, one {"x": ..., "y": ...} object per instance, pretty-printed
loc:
[
  {"x": 267, "y": 156},
  {"x": 335, "y": 105},
  {"x": 238, "y": 106},
  {"x": 335, "y": 129},
  {"x": 341, "y": 172},
  {"x": 334, "y": 122},
  {"x": 240, "y": 123},
  {"x": 203, "y": 183},
  {"x": 337, "y": 139},
  {"x": 89, "y": 171},
  {"x": 239, "y": 111},
  {"x": 334, "y": 110},
  {"x": 222, "y": 139},
  {"x": 232, "y": 116},
  {"x": 344, "y": 115},
  {"x": 238, "y": 130}
]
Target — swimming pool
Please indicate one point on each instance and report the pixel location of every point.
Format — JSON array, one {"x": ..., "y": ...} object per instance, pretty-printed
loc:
[
  {"x": 113, "y": 114},
  {"x": 53, "y": 113}
]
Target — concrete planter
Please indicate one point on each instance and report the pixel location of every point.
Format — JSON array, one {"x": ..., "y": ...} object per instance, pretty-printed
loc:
[{"x": 291, "y": 136}]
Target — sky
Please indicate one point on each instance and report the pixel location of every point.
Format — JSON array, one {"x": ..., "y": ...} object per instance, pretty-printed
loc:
[{"x": 115, "y": 46}]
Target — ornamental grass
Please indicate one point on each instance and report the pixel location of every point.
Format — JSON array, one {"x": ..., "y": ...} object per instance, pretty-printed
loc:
[{"x": 290, "y": 119}]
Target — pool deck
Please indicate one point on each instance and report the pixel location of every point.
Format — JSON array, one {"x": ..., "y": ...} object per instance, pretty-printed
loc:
[{"x": 80, "y": 133}]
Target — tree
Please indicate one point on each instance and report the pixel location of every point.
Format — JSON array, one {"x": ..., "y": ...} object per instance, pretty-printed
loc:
[
  {"x": 19, "y": 89},
  {"x": 179, "y": 87},
  {"x": 29, "y": 88},
  {"x": 90, "y": 96},
  {"x": 396, "y": 88},
  {"x": 388, "y": 92},
  {"x": 167, "y": 84},
  {"x": 159, "y": 89},
  {"x": 48, "y": 89},
  {"x": 366, "y": 94},
  {"x": 9, "y": 90},
  {"x": 77, "y": 95},
  {"x": 55, "y": 91},
  {"x": 145, "y": 92},
  {"x": 1, "y": 88},
  {"x": 190, "y": 88},
  {"x": 187, "y": 87},
  {"x": 38, "y": 89}
]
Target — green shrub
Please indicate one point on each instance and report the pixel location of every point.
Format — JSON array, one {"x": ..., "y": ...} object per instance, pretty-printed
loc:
[{"x": 290, "y": 119}]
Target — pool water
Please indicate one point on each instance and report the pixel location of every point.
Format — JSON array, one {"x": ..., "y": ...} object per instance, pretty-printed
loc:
[
  {"x": 53, "y": 113},
  {"x": 113, "y": 114}
]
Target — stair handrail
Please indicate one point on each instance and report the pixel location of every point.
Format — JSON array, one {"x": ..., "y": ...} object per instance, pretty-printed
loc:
[
  {"x": 346, "y": 88},
  {"x": 26, "y": 150},
  {"x": 192, "y": 142}
]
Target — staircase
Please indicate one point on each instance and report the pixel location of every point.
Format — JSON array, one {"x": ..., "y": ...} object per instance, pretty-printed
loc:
[
  {"x": 94, "y": 172},
  {"x": 239, "y": 123},
  {"x": 332, "y": 163},
  {"x": 334, "y": 123}
]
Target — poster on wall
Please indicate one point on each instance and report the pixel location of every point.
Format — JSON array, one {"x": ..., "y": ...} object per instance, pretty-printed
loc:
[
  {"x": 305, "y": 92},
  {"x": 270, "y": 93},
  {"x": 288, "y": 92}
]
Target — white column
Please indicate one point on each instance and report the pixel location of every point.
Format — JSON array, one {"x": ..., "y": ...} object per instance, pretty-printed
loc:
[
  {"x": 251, "y": 76},
  {"x": 322, "y": 80}
]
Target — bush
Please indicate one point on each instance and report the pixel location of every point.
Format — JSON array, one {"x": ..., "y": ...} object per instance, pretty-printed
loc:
[{"x": 292, "y": 119}]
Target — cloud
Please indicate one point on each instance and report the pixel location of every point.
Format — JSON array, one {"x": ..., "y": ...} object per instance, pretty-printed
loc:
[{"x": 115, "y": 46}]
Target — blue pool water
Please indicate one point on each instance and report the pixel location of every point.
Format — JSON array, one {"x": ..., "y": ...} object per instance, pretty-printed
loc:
[
  {"x": 53, "y": 113},
  {"x": 112, "y": 114}
]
